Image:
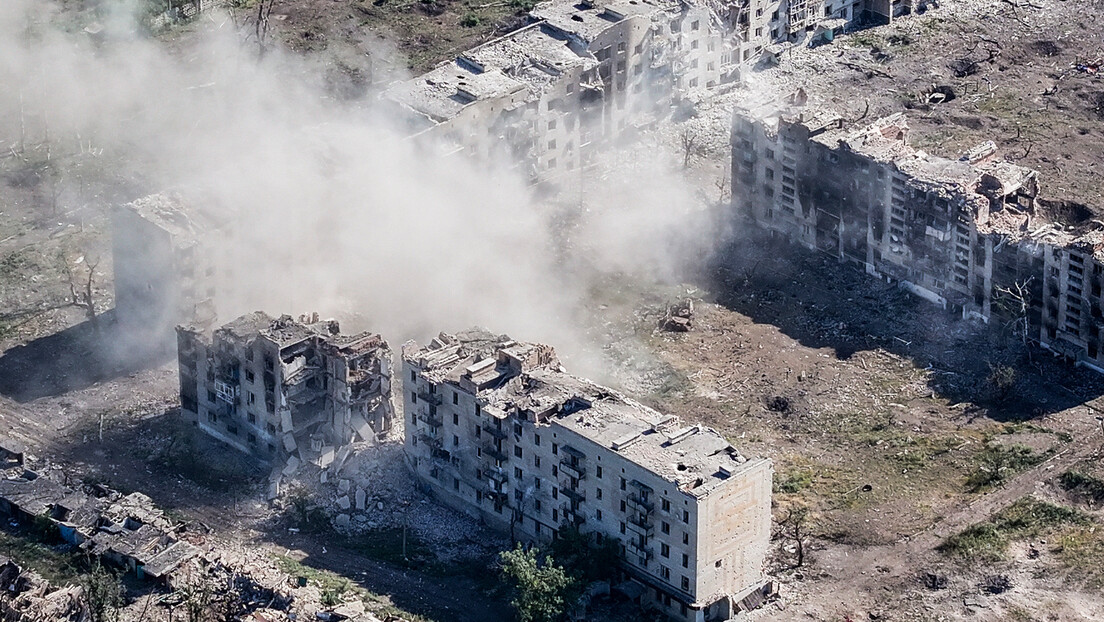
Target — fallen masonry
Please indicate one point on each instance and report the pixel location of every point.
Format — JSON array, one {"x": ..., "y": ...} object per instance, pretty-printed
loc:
[
  {"x": 129, "y": 533},
  {"x": 286, "y": 390},
  {"x": 497, "y": 429},
  {"x": 971, "y": 235},
  {"x": 25, "y": 595}
]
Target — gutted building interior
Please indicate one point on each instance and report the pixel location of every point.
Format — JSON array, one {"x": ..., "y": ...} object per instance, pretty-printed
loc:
[
  {"x": 286, "y": 389},
  {"x": 970, "y": 235}
]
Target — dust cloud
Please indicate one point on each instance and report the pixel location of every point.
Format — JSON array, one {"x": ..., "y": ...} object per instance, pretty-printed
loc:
[{"x": 337, "y": 211}]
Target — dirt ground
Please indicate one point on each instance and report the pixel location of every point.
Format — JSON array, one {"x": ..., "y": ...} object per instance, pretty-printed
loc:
[{"x": 397, "y": 35}]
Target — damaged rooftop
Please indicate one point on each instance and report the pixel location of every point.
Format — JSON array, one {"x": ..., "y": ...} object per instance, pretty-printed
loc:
[
  {"x": 287, "y": 331},
  {"x": 978, "y": 172},
  {"x": 526, "y": 379}
]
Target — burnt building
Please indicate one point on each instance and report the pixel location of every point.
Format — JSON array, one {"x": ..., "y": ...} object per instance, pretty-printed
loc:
[
  {"x": 282, "y": 389},
  {"x": 969, "y": 234}
]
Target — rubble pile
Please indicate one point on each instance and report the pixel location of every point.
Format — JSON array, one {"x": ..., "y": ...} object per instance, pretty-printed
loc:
[
  {"x": 679, "y": 317},
  {"x": 25, "y": 595},
  {"x": 374, "y": 491}
]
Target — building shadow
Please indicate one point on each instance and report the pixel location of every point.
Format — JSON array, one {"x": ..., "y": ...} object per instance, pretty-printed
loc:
[
  {"x": 821, "y": 303},
  {"x": 78, "y": 357},
  {"x": 436, "y": 596}
]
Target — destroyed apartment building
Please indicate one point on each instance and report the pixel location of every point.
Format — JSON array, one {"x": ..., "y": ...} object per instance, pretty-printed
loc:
[
  {"x": 281, "y": 389},
  {"x": 495, "y": 428},
  {"x": 578, "y": 74},
  {"x": 166, "y": 261},
  {"x": 584, "y": 72},
  {"x": 970, "y": 235}
]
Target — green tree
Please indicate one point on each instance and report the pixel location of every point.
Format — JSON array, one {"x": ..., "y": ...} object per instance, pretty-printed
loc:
[
  {"x": 103, "y": 595},
  {"x": 541, "y": 590}
]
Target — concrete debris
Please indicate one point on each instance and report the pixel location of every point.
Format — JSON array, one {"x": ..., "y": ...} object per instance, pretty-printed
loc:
[
  {"x": 679, "y": 316},
  {"x": 26, "y": 596}
]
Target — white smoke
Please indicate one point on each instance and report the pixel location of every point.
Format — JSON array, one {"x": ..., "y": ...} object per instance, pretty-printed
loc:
[{"x": 338, "y": 211}]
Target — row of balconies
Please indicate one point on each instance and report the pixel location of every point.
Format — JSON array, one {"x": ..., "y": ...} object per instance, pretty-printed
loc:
[
  {"x": 641, "y": 524},
  {"x": 494, "y": 431},
  {"x": 574, "y": 470},
  {"x": 429, "y": 398},
  {"x": 572, "y": 515},
  {"x": 639, "y": 504},
  {"x": 491, "y": 450},
  {"x": 634, "y": 548}
]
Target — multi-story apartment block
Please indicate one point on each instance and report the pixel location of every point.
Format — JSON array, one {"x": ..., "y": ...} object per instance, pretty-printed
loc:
[
  {"x": 497, "y": 429},
  {"x": 585, "y": 71},
  {"x": 543, "y": 94},
  {"x": 968, "y": 234},
  {"x": 281, "y": 388},
  {"x": 166, "y": 261}
]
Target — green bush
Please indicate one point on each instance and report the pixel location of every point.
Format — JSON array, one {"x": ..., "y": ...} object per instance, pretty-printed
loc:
[
  {"x": 584, "y": 561},
  {"x": 542, "y": 590},
  {"x": 1026, "y": 518},
  {"x": 470, "y": 20},
  {"x": 792, "y": 481},
  {"x": 998, "y": 463},
  {"x": 45, "y": 529}
]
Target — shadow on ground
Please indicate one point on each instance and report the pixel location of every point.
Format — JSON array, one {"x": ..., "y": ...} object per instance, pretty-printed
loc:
[
  {"x": 821, "y": 303},
  {"x": 76, "y": 358},
  {"x": 438, "y": 596}
]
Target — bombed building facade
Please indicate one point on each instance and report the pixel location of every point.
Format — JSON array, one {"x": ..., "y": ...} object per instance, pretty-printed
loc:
[
  {"x": 495, "y": 428},
  {"x": 282, "y": 389},
  {"x": 583, "y": 72},
  {"x": 970, "y": 235},
  {"x": 579, "y": 73}
]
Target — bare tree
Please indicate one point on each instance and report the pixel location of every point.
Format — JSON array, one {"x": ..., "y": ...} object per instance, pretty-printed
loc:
[
  {"x": 689, "y": 139},
  {"x": 722, "y": 185},
  {"x": 81, "y": 290},
  {"x": 793, "y": 528},
  {"x": 264, "y": 9},
  {"x": 1014, "y": 302}
]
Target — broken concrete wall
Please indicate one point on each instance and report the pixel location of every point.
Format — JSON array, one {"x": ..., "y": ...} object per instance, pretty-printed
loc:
[
  {"x": 279, "y": 387},
  {"x": 965, "y": 234}
]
